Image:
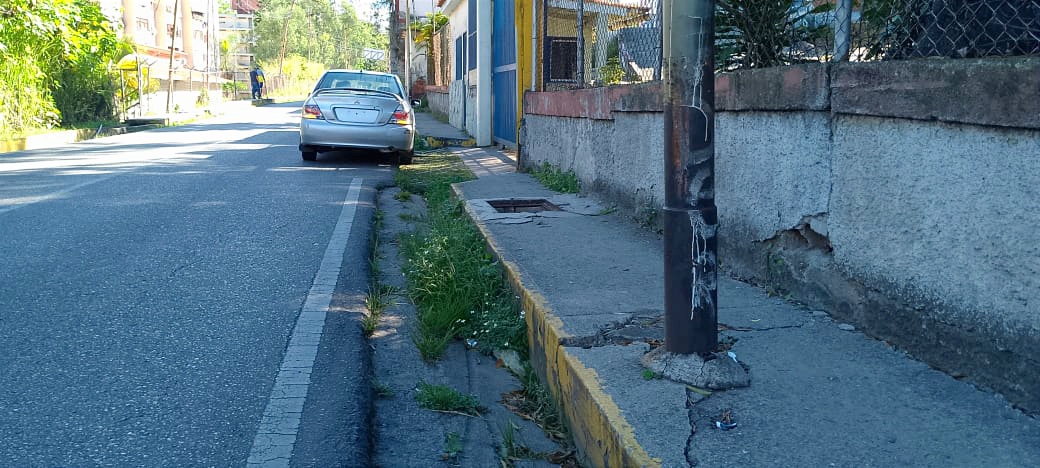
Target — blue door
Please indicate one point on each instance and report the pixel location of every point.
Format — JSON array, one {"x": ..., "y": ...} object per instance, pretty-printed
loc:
[{"x": 503, "y": 83}]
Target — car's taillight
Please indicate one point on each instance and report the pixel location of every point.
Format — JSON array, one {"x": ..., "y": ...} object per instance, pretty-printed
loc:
[
  {"x": 311, "y": 111},
  {"x": 400, "y": 117}
]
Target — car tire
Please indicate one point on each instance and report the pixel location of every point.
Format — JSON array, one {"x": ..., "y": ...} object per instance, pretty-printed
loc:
[
  {"x": 309, "y": 155},
  {"x": 405, "y": 157}
]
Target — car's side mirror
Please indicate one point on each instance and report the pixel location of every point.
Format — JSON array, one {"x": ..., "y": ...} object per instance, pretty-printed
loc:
[{"x": 416, "y": 103}]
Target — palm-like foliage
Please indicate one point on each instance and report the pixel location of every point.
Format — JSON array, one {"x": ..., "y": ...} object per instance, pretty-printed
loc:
[
  {"x": 426, "y": 28},
  {"x": 766, "y": 33}
]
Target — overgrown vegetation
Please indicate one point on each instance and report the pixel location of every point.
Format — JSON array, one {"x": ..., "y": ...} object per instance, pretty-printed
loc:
[
  {"x": 556, "y": 179},
  {"x": 458, "y": 288},
  {"x": 460, "y": 293},
  {"x": 54, "y": 65}
]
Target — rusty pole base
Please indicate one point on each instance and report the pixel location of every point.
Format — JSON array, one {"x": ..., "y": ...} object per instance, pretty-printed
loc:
[{"x": 717, "y": 372}]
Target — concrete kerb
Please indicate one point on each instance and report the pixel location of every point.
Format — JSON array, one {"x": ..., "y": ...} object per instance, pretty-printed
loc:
[
  {"x": 603, "y": 436},
  {"x": 435, "y": 142}
]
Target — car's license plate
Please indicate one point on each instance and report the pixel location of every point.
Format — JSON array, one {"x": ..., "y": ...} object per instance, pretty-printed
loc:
[{"x": 348, "y": 114}]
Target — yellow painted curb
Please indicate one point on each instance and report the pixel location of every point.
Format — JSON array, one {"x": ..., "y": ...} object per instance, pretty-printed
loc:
[{"x": 603, "y": 436}]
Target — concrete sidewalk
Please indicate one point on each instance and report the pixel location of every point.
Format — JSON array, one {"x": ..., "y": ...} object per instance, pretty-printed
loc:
[
  {"x": 821, "y": 394},
  {"x": 439, "y": 134}
]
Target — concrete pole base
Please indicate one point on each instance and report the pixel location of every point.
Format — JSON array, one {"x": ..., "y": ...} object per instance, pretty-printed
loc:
[{"x": 718, "y": 373}]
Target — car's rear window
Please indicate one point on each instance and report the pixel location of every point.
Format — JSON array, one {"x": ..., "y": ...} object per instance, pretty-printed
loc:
[{"x": 357, "y": 80}]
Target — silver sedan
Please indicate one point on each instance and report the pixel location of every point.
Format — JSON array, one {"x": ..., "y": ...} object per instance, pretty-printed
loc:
[{"x": 355, "y": 109}]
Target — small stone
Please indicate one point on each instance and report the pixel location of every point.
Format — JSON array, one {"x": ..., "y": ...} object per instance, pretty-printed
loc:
[
  {"x": 846, "y": 327},
  {"x": 819, "y": 313}
]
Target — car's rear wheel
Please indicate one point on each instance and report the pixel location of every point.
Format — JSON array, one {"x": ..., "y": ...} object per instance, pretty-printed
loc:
[
  {"x": 309, "y": 155},
  {"x": 405, "y": 157}
]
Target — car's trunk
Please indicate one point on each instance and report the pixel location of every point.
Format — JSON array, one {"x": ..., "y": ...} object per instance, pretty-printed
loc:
[{"x": 356, "y": 108}]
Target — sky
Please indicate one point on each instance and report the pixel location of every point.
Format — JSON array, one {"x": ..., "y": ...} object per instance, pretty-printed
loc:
[{"x": 363, "y": 8}]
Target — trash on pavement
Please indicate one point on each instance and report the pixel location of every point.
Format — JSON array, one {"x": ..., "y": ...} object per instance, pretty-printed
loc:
[{"x": 725, "y": 426}]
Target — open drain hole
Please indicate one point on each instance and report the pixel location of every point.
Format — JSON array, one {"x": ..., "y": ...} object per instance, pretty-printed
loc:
[{"x": 522, "y": 206}]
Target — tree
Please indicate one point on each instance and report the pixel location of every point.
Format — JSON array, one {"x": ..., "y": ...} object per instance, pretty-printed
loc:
[
  {"x": 54, "y": 56},
  {"x": 315, "y": 30}
]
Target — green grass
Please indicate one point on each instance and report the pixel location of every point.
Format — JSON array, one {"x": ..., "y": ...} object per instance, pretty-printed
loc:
[
  {"x": 460, "y": 292},
  {"x": 458, "y": 288},
  {"x": 419, "y": 143},
  {"x": 444, "y": 398},
  {"x": 556, "y": 179},
  {"x": 378, "y": 298}
]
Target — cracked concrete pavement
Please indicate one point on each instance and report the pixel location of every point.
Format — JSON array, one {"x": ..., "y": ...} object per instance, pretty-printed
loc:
[{"x": 592, "y": 287}]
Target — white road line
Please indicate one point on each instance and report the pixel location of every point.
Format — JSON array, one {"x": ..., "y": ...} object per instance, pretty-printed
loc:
[{"x": 276, "y": 436}]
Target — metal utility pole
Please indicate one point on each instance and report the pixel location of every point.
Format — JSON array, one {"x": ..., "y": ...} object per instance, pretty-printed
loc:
[
  {"x": 842, "y": 29},
  {"x": 173, "y": 40},
  {"x": 690, "y": 219}
]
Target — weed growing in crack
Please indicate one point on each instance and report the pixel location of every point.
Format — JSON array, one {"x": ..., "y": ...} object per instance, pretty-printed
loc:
[
  {"x": 513, "y": 449},
  {"x": 378, "y": 298},
  {"x": 403, "y": 196},
  {"x": 382, "y": 390},
  {"x": 452, "y": 447},
  {"x": 534, "y": 402},
  {"x": 556, "y": 179},
  {"x": 446, "y": 399}
]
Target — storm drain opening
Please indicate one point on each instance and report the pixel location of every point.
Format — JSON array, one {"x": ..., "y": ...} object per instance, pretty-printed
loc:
[{"x": 523, "y": 206}]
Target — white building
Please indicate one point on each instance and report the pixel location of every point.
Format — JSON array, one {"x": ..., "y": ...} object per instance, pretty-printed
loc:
[{"x": 150, "y": 25}]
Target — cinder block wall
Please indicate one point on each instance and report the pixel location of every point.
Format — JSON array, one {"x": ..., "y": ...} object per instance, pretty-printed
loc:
[{"x": 903, "y": 197}]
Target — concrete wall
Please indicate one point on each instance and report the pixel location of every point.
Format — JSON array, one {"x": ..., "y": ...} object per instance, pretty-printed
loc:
[
  {"x": 457, "y": 104},
  {"x": 901, "y": 196},
  {"x": 439, "y": 99}
]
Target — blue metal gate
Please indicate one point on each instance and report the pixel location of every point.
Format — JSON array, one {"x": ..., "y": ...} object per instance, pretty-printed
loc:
[{"x": 503, "y": 83}]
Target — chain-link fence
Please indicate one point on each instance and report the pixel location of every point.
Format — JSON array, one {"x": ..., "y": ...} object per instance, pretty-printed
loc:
[
  {"x": 901, "y": 29},
  {"x": 759, "y": 34},
  {"x": 620, "y": 40}
]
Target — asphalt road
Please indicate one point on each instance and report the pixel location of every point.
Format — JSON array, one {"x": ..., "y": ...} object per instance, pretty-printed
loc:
[{"x": 150, "y": 287}]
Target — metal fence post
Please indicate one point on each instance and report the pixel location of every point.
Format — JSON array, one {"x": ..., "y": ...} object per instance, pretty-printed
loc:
[
  {"x": 660, "y": 40},
  {"x": 581, "y": 44},
  {"x": 691, "y": 315},
  {"x": 842, "y": 30}
]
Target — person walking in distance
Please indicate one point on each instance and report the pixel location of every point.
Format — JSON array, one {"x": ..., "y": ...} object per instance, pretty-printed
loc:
[{"x": 256, "y": 78}]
